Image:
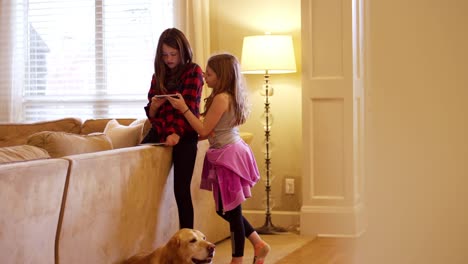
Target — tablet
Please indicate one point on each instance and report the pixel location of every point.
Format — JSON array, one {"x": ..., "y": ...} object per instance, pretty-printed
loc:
[
  {"x": 153, "y": 144},
  {"x": 165, "y": 95}
]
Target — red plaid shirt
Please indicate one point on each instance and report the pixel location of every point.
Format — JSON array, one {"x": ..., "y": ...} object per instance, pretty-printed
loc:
[{"x": 169, "y": 120}]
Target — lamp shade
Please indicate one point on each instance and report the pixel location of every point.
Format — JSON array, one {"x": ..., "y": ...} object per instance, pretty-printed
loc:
[{"x": 272, "y": 53}]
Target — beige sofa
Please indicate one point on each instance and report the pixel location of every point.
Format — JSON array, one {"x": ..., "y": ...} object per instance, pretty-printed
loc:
[{"x": 94, "y": 207}]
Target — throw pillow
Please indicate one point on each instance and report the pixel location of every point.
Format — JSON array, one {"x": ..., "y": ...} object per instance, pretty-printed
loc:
[
  {"x": 22, "y": 153},
  {"x": 123, "y": 136},
  {"x": 98, "y": 125},
  {"x": 59, "y": 144},
  {"x": 146, "y": 126}
]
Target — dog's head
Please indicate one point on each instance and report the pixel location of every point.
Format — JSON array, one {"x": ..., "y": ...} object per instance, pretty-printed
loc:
[{"x": 191, "y": 244}]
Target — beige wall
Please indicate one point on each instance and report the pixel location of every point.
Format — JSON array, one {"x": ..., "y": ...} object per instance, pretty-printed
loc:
[
  {"x": 417, "y": 174},
  {"x": 230, "y": 22}
]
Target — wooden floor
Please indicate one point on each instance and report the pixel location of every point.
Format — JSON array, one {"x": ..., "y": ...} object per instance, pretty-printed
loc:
[
  {"x": 296, "y": 249},
  {"x": 323, "y": 251}
]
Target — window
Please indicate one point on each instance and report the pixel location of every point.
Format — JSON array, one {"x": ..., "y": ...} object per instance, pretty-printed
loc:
[{"x": 86, "y": 58}]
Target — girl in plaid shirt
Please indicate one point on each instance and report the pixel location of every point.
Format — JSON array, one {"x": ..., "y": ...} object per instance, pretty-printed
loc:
[{"x": 174, "y": 72}]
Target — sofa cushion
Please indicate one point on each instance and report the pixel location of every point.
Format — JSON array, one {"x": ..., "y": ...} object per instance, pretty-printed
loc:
[
  {"x": 13, "y": 134},
  {"x": 22, "y": 153},
  {"x": 123, "y": 136},
  {"x": 60, "y": 144}
]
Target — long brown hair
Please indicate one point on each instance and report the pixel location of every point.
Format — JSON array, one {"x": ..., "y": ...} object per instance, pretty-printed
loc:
[
  {"x": 173, "y": 38},
  {"x": 230, "y": 81}
]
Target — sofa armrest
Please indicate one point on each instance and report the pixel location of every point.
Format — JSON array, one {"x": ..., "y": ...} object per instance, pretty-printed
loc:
[
  {"x": 119, "y": 202},
  {"x": 30, "y": 199}
]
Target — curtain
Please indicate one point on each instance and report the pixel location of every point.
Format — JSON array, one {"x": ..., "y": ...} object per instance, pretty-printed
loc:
[
  {"x": 6, "y": 20},
  {"x": 194, "y": 20}
]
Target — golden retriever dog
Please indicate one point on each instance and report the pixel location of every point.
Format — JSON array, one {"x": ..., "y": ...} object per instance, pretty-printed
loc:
[{"x": 186, "y": 246}]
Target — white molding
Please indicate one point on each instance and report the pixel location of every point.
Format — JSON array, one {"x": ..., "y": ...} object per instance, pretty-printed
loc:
[
  {"x": 286, "y": 219},
  {"x": 333, "y": 221},
  {"x": 332, "y": 209},
  {"x": 262, "y": 212}
]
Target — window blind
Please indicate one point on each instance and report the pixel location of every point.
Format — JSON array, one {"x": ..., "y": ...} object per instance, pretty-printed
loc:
[{"x": 86, "y": 58}]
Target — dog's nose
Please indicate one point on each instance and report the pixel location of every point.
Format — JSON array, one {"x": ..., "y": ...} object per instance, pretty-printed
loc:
[{"x": 211, "y": 248}]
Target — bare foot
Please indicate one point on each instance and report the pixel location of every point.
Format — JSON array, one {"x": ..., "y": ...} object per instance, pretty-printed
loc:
[{"x": 261, "y": 251}]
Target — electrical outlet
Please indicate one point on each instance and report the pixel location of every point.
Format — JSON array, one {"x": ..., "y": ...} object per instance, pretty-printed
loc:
[{"x": 289, "y": 186}]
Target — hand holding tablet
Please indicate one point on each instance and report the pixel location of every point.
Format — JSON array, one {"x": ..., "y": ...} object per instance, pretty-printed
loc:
[{"x": 166, "y": 95}]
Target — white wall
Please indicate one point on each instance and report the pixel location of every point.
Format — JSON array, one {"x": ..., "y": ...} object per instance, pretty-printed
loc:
[
  {"x": 417, "y": 90},
  {"x": 332, "y": 120}
]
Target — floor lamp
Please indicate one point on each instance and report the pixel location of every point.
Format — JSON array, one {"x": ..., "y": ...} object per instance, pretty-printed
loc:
[{"x": 268, "y": 54}]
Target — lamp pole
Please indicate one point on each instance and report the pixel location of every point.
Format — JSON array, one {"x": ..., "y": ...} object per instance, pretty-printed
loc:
[
  {"x": 275, "y": 53},
  {"x": 268, "y": 227}
]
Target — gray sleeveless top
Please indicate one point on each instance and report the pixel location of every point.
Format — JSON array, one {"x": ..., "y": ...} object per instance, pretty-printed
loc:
[{"x": 224, "y": 133}]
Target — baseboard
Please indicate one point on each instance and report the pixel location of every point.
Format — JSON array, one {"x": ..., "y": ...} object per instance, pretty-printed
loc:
[
  {"x": 286, "y": 219},
  {"x": 333, "y": 221}
]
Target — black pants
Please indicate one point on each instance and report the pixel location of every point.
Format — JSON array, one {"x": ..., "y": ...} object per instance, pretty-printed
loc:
[
  {"x": 183, "y": 156},
  {"x": 239, "y": 227}
]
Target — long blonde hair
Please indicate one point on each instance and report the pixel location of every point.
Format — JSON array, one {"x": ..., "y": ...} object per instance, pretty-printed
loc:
[{"x": 230, "y": 81}]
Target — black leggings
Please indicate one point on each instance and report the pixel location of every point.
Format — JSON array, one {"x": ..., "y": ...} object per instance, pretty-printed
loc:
[
  {"x": 184, "y": 155},
  {"x": 239, "y": 226}
]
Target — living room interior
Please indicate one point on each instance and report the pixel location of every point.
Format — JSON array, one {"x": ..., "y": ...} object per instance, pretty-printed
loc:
[{"x": 371, "y": 128}]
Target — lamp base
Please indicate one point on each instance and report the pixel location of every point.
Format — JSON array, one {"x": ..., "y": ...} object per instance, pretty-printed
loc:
[{"x": 269, "y": 229}]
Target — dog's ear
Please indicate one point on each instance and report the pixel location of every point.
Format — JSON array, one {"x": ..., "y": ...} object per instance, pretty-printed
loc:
[{"x": 174, "y": 243}]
